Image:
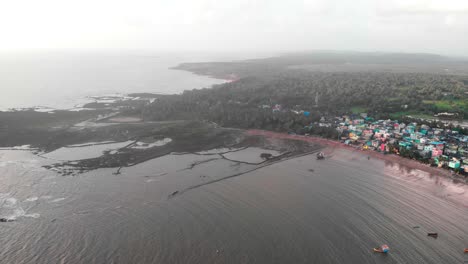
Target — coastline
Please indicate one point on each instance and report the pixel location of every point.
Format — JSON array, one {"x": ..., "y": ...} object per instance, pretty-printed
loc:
[
  {"x": 414, "y": 164},
  {"x": 346, "y": 199},
  {"x": 38, "y": 124},
  {"x": 111, "y": 184}
]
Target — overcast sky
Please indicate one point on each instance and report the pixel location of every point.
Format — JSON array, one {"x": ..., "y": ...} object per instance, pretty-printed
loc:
[{"x": 437, "y": 26}]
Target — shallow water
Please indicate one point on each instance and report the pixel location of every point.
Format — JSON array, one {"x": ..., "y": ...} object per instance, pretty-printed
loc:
[
  {"x": 251, "y": 155},
  {"x": 296, "y": 211},
  {"x": 158, "y": 143},
  {"x": 85, "y": 151}
]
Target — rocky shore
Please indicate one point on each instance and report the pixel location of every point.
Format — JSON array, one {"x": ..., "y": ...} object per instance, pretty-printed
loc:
[{"x": 54, "y": 134}]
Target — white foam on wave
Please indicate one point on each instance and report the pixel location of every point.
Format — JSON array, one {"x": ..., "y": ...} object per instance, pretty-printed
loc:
[
  {"x": 44, "y": 109},
  {"x": 15, "y": 214},
  {"x": 10, "y": 208},
  {"x": 32, "y": 199},
  {"x": 19, "y": 212},
  {"x": 57, "y": 200},
  {"x": 34, "y": 215},
  {"x": 152, "y": 180}
]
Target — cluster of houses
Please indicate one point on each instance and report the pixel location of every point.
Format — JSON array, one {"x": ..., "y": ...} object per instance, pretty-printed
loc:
[{"x": 443, "y": 147}]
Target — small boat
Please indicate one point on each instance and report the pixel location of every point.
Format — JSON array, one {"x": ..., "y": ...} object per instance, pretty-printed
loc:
[
  {"x": 382, "y": 249},
  {"x": 320, "y": 155},
  {"x": 377, "y": 250}
]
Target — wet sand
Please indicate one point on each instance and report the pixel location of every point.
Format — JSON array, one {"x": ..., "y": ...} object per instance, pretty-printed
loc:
[{"x": 333, "y": 144}]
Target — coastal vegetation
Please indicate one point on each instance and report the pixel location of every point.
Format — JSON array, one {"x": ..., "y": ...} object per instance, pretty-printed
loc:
[
  {"x": 272, "y": 94},
  {"x": 383, "y": 85}
]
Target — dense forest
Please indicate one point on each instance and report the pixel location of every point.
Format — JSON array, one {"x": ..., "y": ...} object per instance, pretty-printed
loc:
[{"x": 260, "y": 85}]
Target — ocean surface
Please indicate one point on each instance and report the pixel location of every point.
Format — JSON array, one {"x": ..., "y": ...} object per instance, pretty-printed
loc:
[
  {"x": 65, "y": 80},
  {"x": 296, "y": 211}
]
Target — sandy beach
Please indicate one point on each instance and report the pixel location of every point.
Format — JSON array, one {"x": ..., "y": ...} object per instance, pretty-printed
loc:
[
  {"x": 336, "y": 144},
  {"x": 455, "y": 187}
]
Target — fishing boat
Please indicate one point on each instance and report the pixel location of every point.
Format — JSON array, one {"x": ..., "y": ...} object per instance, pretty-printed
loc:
[
  {"x": 382, "y": 249},
  {"x": 320, "y": 155}
]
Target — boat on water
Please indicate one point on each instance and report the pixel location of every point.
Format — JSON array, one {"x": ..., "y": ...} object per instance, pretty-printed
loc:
[
  {"x": 320, "y": 155},
  {"x": 382, "y": 249}
]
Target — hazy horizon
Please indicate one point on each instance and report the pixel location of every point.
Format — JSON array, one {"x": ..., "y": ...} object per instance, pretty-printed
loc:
[{"x": 409, "y": 26}]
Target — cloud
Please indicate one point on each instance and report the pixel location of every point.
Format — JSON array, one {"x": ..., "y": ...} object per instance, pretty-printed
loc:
[
  {"x": 415, "y": 7},
  {"x": 401, "y": 25}
]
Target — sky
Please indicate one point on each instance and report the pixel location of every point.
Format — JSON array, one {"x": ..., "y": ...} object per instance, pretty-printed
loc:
[{"x": 434, "y": 26}]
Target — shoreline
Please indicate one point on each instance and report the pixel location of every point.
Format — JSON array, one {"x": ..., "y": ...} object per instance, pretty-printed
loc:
[
  {"x": 115, "y": 124},
  {"x": 413, "y": 164}
]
